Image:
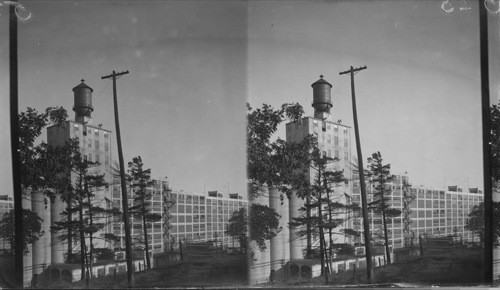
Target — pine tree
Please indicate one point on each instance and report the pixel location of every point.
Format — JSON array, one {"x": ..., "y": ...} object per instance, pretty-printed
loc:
[
  {"x": 324, "y": 215},
  {"x": 141, "y": 179},
  {"x": 381, "y": 205}
]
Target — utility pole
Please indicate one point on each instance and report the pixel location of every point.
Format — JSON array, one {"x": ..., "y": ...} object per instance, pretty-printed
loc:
[
  {"x": 485, "y": 106},
  {"x": 126, "y": 222},
  {"x": 364, "y": 207},
  {"x": 14, "y": 136}
]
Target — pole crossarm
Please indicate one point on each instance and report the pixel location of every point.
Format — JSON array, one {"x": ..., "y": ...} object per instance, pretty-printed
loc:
[
  {"x": 352, "y": 70},
  {"x": 114, "y": 74}
]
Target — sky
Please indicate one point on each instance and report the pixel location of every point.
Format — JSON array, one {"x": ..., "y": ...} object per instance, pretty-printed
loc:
[
  {"x": 194, "y": 64},
  {"x": 182, "y": 107},
  {"x": 418, "y": 100}
]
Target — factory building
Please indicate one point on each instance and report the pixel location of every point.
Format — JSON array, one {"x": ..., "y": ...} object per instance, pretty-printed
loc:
[
  {"x": 186, "y": 217},
  {"x": 196, "y": 217},
  {"x": 443, "y": 212},
  {"x": 425, "y": 212}
]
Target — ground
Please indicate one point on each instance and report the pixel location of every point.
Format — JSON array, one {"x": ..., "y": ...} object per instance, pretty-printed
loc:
[{"x": 456, "y": 266}]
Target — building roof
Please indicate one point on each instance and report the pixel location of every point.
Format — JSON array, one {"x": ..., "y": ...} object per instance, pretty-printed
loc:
[
  {"x": 321, "y": 81},
  {"x": 82, "y": 85}
]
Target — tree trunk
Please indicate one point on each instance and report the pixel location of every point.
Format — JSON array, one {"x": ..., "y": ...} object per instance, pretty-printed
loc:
[
  {"x": 91, "y": 248},
  {"x": 70, "y": 232},
  {"x": 321, "y": 249},
  {"x": 308, "y": 227},
  {"x": 82, "y": 240},
  {"x": 146, "y": 242},
  {"x": 386, "y": 237}
]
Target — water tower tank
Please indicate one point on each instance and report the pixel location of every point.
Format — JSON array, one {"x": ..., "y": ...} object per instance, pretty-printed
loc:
[
  {"x": 83, "y": 100},
  {"x": 322, "y": 99}
]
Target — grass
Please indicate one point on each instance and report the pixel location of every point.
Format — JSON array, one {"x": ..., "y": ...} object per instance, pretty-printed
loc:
[
  {"x": 460, "y": 266},
  {"x": 228, "y": 274}
]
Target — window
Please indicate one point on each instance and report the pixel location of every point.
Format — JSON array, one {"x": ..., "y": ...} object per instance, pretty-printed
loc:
[
  {"x": 84, "y": 131},
  {"x": 105, "y": 135},
  {"x": 329, "y": 153},
  {"x": 106, "y": 160},
  {"x": 106, "y": 147},
  {"x": 336, "y": 140},
  {"x": 96, "y": 144},
  {"x": 323, "y": 127},
  {"x": 337, "y": 154},
  {"x": 346, "y": 143},
  {"x": 90, "y": 144},
  {"x": 346, "y": 156},
  {"x": 335, "y": 128},
  {"x": 96, "y": 132},
  {"x": 90, "y": 157},
  {"x": 77, "y": 128},
  {"x": 315, "y": 123},
  {"x": 345, "y": 130},
  {"x": 329, "y": 139},
  {"x": 97, "y": 158}
]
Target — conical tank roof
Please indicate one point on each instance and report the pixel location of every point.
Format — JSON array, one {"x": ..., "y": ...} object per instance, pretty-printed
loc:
[
  {"x": 321, "y": 81},
  {"x": 82, "y": 85}
]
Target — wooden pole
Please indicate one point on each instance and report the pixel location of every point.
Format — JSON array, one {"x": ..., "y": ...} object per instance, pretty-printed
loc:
[
  {"x": 126, "y": 220},
  {"x": 364, "y": 207}
]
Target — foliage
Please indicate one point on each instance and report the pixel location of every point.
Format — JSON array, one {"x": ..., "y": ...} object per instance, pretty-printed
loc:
[
  {"x": 141, "y": 179},
  {"x": 83, "y": 216},
  {"x": 323, "y": 211},
  {"x": 274, "y": 164},
  {"x": 475, "y": 222},
  {"x": 238, "y": 227},
  {"x": 264, "y": 224},
  {"x": 104, "y": 254},
  {"x": 32, "y": 228},
  {"x": 494, "y": 141},
  {"x": 380, "y": 175},
  {"x": 34, "y": 175}
]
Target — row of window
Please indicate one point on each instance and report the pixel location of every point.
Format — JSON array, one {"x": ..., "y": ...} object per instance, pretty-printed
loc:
[
  {"x": 337, "y": 154},
  {"x": 88, "y": 131},
  {"x": 97, "y": 158},
  {"x": 324, "y": 126}
]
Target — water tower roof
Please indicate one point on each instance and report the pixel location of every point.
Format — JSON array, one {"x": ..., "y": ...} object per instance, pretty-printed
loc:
[
  {"x": 321, "y": 81},
  {"x": 83, "y": 85}
]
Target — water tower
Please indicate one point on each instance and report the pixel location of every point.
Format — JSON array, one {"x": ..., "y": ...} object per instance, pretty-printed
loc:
[
  {"x": 83, "y": 103},
  {"x": 322, "y": 98}
]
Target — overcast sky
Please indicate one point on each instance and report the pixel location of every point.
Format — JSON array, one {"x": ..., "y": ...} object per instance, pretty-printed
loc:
[{"x": 193, "y": 65}]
